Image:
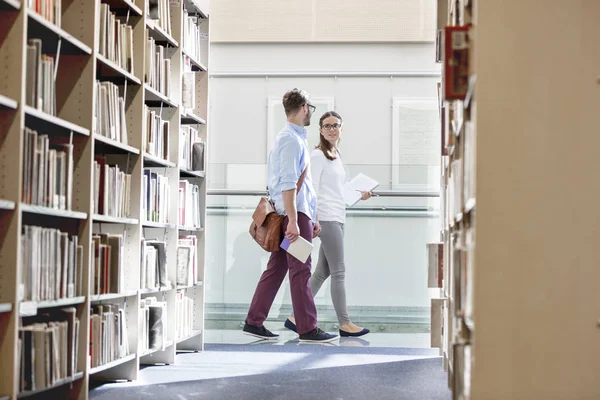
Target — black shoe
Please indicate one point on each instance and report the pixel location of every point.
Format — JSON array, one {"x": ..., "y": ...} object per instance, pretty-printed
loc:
[
  {"x": 317, "y": 335},
  {"x": 354, "y": 334},
  {"x": 290, "y": 325},
  {"x": 259, "y": 332}
]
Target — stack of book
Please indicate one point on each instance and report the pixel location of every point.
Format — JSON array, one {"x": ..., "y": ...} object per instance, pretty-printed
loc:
[
  {"x": 160, "y": 11},
  {"x": 109, "y": 274},
  {"x": 112, "y": 189},
  {"x": 51, "y": 264},
  {"x": 47, "y": 171},
  {"x": 48, "y": 349},
  {"x": 186, "y": 260},
  {"x": 155, "y": 202},
  {"x": 109, "y": 113},
  {"x": 49, "y": 9},
  {"x": 153, "y": 272},
  {"x": 158, "y": 68},
  {"x": 108, "y": 334},
  {"x": 185, "y": 315},
  {"x": 189, "y": 205},
  {"x": 157, "y": 134},
  {"x": 153, "y": 323},
  {"x": 116, "y": 39},
  {"x": 191, "y": 35},
  {"x": 192, "y": 149},
  {"x": 40, "y": 83}
]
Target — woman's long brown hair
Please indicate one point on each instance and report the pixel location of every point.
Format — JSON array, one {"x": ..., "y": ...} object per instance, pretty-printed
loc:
[{"x": 324, "y": 145}]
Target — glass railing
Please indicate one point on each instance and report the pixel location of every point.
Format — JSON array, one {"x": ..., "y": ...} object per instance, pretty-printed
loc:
[{"x": 386, "y": 264}]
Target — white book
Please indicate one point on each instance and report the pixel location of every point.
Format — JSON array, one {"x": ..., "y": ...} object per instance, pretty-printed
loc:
[
  {"x": 299, "y": 248},
  {"x": 352, "y": 188}
]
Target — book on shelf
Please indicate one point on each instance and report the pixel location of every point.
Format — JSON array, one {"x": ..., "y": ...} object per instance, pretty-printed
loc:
[
  {"x": 456, "y": 62},
  {"x": 153, "y": 323},
  {"x": 116, "y": 38},
  {"x": 49, "y": 350},
  {"x": 186, "y": 260},
  {"x": 184, "y": 307},
  {"x": 158, "y": 68},
  {"x": 112, "y": 190},
  {"x": 108, "y": 270},
  {"x": 189, "y": 205},
  {"x": 51, "y": 10},
  {"x": 157, "y": 134},
  {"x": 51, "y": 265},
  {"x": 153, "y": 266},
  {"x": 40, "y": 85},
  {"x": 191, "y": 35},
  {"x": 435, "y": 262},
  {"x": 47, "y": 171},
  {"x": 469, "y": 153},
  {"x": 188, "y": 86},
  {"x": 156, "y": 200},
  {"x": 109, "y": 113},
  {"x": 160, "y": 11},
  {"x": 108, "y": 334},
  {"x": 192, "y": 149}
]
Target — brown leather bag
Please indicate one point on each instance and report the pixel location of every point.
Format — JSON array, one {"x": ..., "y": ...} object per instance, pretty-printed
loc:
[{"x": 265, "y": 228}]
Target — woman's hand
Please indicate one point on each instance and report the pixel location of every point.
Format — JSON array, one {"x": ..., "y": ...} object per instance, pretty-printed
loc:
[{"x": 366, "y": 195}]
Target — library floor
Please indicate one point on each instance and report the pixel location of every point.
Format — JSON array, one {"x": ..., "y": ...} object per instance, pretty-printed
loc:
[{"x": 234, "y": 366}]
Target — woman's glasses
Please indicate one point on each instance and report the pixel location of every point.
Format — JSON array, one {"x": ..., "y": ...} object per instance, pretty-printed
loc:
[{"x": 329, "y": 127}]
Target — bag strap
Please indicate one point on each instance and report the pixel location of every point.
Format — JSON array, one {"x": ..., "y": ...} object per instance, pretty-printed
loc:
[{"x": 301, "y": 180}]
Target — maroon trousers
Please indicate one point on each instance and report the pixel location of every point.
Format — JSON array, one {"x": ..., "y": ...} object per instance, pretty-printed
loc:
[{"x": 280, "y": 261}]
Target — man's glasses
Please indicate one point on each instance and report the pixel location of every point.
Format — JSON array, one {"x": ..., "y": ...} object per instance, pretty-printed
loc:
[
  {"x": 311, "y": 107},
  {"x": 328, "y": 127}
]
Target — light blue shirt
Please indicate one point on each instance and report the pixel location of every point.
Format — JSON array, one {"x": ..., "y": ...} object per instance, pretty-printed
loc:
[{"x": 287, "y": 159}]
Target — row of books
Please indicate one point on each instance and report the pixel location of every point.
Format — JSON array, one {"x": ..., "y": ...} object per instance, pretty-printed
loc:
[
  {"x": 184, "y": 307},
  {"x": 157, "y": 134},
  {"x": 156, "y": 199},
  {"x": 51, "y": 10},
  {"x": 189, "y": 205},
  {"x": 116, "y": 39},
  {"x": 108, "y": 273},
  {"x": 40, "y": 84},
  {"x": 153, "y": 269},
  {"x": 153, "y": 323},
  {"x": 160, "y": 11},
  {"x": 47, "y": 171},
  {"x": 108, "y": 334},
  {"x": 191, "y": 35},
  {"x": 51, "y": 264},
  {"x": 191, "y": 149},
  {"x": 158, "y": 67},
  {"x": 109, "y": 113},
  {"x": 186, "y": 260},
  {"x": 112, "y": 190},
  {"x": 48, "y": 349}
]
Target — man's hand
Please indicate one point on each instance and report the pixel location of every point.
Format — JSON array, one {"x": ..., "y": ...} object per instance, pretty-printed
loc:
[
  {"x": 292, "y": 230},
  {"x": 316, "y": 229}
]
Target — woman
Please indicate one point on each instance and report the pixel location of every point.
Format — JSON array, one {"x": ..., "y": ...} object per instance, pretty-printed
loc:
[{"x": 328, "y": 177}]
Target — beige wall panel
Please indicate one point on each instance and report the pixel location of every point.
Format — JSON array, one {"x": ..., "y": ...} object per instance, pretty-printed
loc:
[{"x": 323, "y": 21}]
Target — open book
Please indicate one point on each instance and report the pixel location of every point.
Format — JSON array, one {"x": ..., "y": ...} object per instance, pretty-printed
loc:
[{"x": 352, "y": 188}]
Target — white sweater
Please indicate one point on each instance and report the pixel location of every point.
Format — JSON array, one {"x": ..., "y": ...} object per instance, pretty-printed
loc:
[{"x": 328, "y": 177}]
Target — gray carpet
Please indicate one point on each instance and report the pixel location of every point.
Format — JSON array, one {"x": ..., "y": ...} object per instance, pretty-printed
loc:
[{"x": 420, "y": 379}]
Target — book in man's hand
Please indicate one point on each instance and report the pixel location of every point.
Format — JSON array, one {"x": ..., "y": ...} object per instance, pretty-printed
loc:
[{"x": 299, "y": 249}]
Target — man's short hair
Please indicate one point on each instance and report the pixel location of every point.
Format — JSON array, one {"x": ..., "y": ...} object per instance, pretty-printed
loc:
[{"x": 293, "y": 100}]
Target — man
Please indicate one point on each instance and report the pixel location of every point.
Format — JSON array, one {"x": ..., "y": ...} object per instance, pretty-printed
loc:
[{"x": 287, "y": 164}]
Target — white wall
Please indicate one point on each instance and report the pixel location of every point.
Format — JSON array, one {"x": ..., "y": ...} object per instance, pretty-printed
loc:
[{"x": 387, "y": 256}]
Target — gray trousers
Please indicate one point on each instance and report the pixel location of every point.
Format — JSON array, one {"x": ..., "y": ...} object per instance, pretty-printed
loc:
[{"x": 331, "y": 263}]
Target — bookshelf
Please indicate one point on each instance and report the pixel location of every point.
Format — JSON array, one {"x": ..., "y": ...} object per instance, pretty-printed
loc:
[
  {"x": 520, "y": 311},
  {"x": 95, "y": 138}
]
